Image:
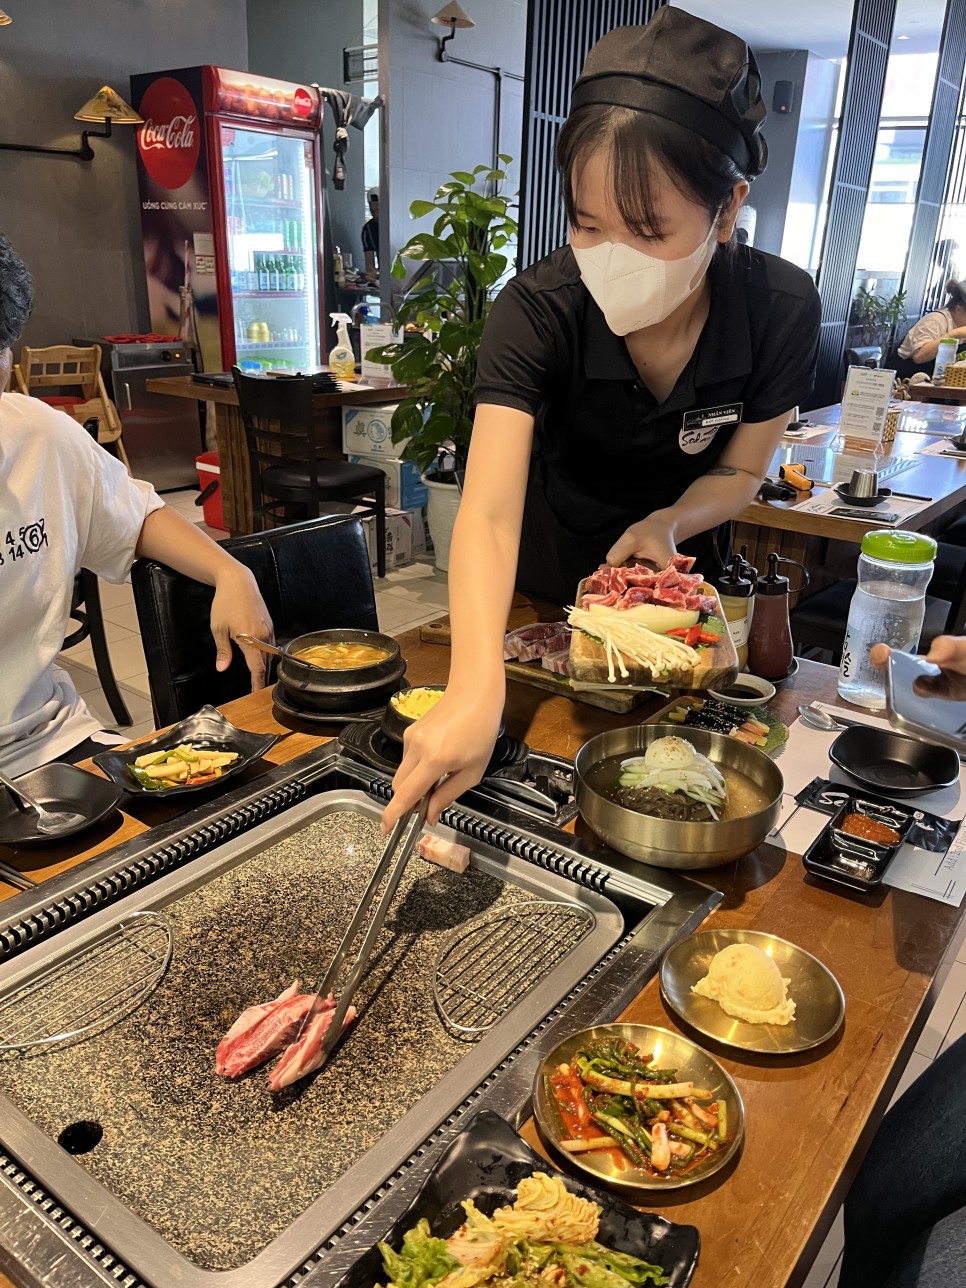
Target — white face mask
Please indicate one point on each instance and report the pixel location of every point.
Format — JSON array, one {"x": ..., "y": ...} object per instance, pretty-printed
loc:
[{"x": 635, "y": 290}]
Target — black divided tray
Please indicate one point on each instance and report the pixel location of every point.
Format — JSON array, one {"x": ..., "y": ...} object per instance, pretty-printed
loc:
[{"x": 485, "y": 1163}]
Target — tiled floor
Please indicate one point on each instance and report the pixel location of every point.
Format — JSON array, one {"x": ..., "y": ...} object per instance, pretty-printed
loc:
[{"x": 404, "y": 599}]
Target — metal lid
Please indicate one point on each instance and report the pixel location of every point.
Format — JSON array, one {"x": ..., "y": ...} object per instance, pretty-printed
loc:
[{"x": 899, "y": 547}]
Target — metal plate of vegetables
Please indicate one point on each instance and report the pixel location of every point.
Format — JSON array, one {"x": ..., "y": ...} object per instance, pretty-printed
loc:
[
  {"x": 199, "y": 752},
  {"x": 638, "y": 1106}
]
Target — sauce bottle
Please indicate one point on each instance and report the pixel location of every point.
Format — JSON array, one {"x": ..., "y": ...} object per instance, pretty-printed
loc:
[
  {"x": 736, "y": 591},
  {"x": 770, "y": 653},
  {"x": 749, "y": 570}
]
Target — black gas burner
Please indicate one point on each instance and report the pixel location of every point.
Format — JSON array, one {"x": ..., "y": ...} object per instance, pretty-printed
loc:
[{"x": 539, "y": 784}]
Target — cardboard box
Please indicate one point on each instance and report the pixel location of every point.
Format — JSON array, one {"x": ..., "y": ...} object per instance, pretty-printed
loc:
[
  {"x": 405, "y": 489},
  {"x": 421, "y": 541},
  {"x": 399, "y": 538},
  {"x": 367, "y": 431}
]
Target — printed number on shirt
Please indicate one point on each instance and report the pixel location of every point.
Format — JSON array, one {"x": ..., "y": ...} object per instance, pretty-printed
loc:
[{"x": 28, "y": 541}]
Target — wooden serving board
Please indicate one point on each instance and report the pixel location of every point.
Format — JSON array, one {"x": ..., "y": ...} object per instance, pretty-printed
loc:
[
  {"x": 538, "y": 677},
  {"x": 718, "y": 665}
]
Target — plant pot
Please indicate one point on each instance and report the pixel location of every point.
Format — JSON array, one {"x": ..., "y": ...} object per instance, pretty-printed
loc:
[{"x": 444, "y": 501}]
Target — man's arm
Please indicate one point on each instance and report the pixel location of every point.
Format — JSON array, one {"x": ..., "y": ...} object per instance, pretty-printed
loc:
[{"x": 237, "y": 607}]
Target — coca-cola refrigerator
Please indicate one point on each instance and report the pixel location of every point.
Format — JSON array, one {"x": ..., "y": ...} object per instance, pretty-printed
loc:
[{"x": 231, "y": 204}]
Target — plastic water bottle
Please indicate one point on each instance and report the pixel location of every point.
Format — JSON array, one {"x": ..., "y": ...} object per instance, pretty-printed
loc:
[{"x": 887, "y": 608}]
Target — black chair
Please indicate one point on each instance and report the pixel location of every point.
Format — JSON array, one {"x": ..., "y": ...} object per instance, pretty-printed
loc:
[
  {"x": 819, "y": 622},
  {"x": 284, "y": 461},
  {"x": 312, "y": 576},
  {"x": 85, "y": 609}
]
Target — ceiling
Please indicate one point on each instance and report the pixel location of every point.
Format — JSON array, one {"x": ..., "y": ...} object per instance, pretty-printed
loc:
[{"x": 822, "y": 26}]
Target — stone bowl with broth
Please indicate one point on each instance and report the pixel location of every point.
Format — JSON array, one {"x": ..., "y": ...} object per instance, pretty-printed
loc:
[
  {"x": 341, "y": 670},
  {"x": 754, "y": 792}
]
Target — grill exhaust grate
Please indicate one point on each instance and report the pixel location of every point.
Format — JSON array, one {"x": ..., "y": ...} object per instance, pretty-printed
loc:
[
  {"x": 484, "y": 968},
  {"x": 89, "y": 990}
]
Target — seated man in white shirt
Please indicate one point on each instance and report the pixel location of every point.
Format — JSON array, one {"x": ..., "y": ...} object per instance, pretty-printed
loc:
[{"x": 65, "y": 504}]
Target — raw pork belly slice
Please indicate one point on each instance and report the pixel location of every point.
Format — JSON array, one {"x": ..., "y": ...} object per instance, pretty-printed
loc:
[
  {"x": 448, "y": 854},
  {"x": 305, "y": 1056},
  {"x": 261, "y": 1032},
  {"x": 528, "y": 643},
  {"x": 558, "y": 662}
]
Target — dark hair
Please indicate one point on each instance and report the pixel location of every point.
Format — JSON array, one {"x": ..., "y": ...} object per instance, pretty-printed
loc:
[
  {"x": 639, "y": 143},
  {"x": 16, "y": 295},
  {"x": 956, "y": 294}
]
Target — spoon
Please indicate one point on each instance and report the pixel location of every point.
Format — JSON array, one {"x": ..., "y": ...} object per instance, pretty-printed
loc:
[
  {"x": 261, "y": 645},
  {"x": 822, "y": 720},
  {"x": 48, "y": 820}
]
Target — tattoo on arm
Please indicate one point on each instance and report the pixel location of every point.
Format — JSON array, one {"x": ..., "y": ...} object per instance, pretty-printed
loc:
[{"x": 721, "y": 470}]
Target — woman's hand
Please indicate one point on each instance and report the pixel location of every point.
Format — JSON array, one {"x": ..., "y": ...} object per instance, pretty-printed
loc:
[
  {"x": 238, "y": 608},
  {"x": 453, "y": 742},
  {"x": 650, "y": 539}
]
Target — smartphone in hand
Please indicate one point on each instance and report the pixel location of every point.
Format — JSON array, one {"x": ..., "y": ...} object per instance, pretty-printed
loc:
[{"x": 924, "y": 700}]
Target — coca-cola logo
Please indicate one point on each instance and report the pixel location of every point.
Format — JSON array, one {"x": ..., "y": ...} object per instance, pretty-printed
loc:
[
  {"x": 302, "y": 102},
  {"x": 170, "y": 138}
]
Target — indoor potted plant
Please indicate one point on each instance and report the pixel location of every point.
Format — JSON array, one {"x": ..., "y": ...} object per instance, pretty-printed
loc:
[{"x": 442, "y": 317}]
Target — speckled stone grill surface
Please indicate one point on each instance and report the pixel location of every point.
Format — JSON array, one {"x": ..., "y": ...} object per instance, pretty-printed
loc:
[{"x": 221, "y": 1168}]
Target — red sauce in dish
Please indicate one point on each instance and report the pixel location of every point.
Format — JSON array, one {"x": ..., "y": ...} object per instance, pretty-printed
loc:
[{"x": 869, "y": 830}]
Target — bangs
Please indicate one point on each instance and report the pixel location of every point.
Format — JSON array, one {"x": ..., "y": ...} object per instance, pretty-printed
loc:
[{"x": 642, "y": 151}]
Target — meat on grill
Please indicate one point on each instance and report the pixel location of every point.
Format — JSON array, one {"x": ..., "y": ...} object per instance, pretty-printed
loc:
[
  {"x": 448, "y": 854},
  {"x": 305, "y": 1056},
  {"x": 261, "y": 1032}
]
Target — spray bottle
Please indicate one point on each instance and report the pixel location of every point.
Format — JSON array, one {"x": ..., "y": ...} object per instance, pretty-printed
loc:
[{"x": 342, "y": 361}]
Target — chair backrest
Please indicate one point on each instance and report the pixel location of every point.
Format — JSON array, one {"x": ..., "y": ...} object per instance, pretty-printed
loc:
[
  {"x": 279, "y": 425},
  {"x": 312, "y": 576},
  {"x": 63, "y": 366}
]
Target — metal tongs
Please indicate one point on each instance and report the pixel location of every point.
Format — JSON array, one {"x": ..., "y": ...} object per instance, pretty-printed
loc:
[{"x": 394, "y": 860}]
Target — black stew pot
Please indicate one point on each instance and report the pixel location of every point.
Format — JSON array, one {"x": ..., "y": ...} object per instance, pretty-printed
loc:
[{"x": 355, "y": 688}]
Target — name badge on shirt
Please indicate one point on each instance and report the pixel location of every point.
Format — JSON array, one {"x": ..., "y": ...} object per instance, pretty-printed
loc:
[{"x": 698, "y": 428}]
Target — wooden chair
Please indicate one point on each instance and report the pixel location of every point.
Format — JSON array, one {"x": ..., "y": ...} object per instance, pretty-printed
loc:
[
  {"x": 287, "y": 471},
  {"x": 64, "y": 368}
]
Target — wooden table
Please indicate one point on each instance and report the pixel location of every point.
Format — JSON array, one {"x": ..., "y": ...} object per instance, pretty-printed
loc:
[
  {"x": 939, "y": 393},
  {"x": 826, "y": 543},
  {"x": 809, "y": 1120},
  {"x": 236, "y": 486}
]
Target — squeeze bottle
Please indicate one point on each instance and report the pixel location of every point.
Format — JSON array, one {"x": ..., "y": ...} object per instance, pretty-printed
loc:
[
  {"x": 342, "y": 361},
  {"x": 770, "y": 653},
  {"x": 735, "y": 591}
]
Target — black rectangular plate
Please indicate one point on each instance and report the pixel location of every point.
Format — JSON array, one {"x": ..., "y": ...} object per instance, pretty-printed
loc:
[
  {"x": 485, "y": 1163},
  {"x": 206, "y": 728}
]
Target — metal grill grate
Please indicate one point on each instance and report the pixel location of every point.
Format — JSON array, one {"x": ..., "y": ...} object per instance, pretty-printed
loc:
[
  {"x": 484, "y": 968},
  {"x": 89, "y": 990}
]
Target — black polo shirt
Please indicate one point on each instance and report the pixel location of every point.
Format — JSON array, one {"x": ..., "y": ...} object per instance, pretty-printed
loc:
[{"x": 606, "y": 453}]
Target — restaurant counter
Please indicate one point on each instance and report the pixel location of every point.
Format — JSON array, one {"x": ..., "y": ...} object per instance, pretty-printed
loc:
[{"x": 809, "y": 1118}]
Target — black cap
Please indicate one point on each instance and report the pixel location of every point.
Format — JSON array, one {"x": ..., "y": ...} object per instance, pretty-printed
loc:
[{"x": 686, "y": 70}]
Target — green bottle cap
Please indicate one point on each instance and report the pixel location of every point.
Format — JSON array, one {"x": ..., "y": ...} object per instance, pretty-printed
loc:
[{"x": 899, "y": 547}]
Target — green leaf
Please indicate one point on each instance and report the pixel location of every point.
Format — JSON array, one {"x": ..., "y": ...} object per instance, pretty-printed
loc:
[
  {"x": 504, "y": 158},
  {"x": 464, "y": 176},
  {"x": 398, "y": 269},
  {"x": 417, "y": 357},
  {"x": 407, "y": 420},
  {"x": 419, "y": 208},
  {"x": 423, "y": 246}
]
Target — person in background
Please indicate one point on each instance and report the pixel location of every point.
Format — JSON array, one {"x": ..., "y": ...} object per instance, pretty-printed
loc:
[
  {"x": 905, "y": 1215},
  {"x": 370, "y": 240},
  {"x": 918, "y": 349},
  {"x": 65, "y": 504}
]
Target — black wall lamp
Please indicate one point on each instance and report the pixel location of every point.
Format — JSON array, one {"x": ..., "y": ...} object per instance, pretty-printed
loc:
[
  {"x": 106, "y": 107},
  {"x": 452, "y": 16}
]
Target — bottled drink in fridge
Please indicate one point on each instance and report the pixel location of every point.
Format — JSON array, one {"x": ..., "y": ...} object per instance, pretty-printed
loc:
[
  {"x": 264, "y": 277},
  {"x": 276, "y": 275},
  {"x": 887, "y": 608},
  {"x": 291, "y": 277}
]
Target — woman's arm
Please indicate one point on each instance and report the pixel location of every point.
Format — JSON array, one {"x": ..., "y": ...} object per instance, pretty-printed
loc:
[
  {"x": 237, "y": 606},
  {"x": 456, "y": 738},
  {"x": 716, "y": 497}
]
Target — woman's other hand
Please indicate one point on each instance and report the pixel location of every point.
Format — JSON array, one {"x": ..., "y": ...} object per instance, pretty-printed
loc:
[
  {"x": 448, "y": 750},
  {"x": 651, "y": 539}
]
